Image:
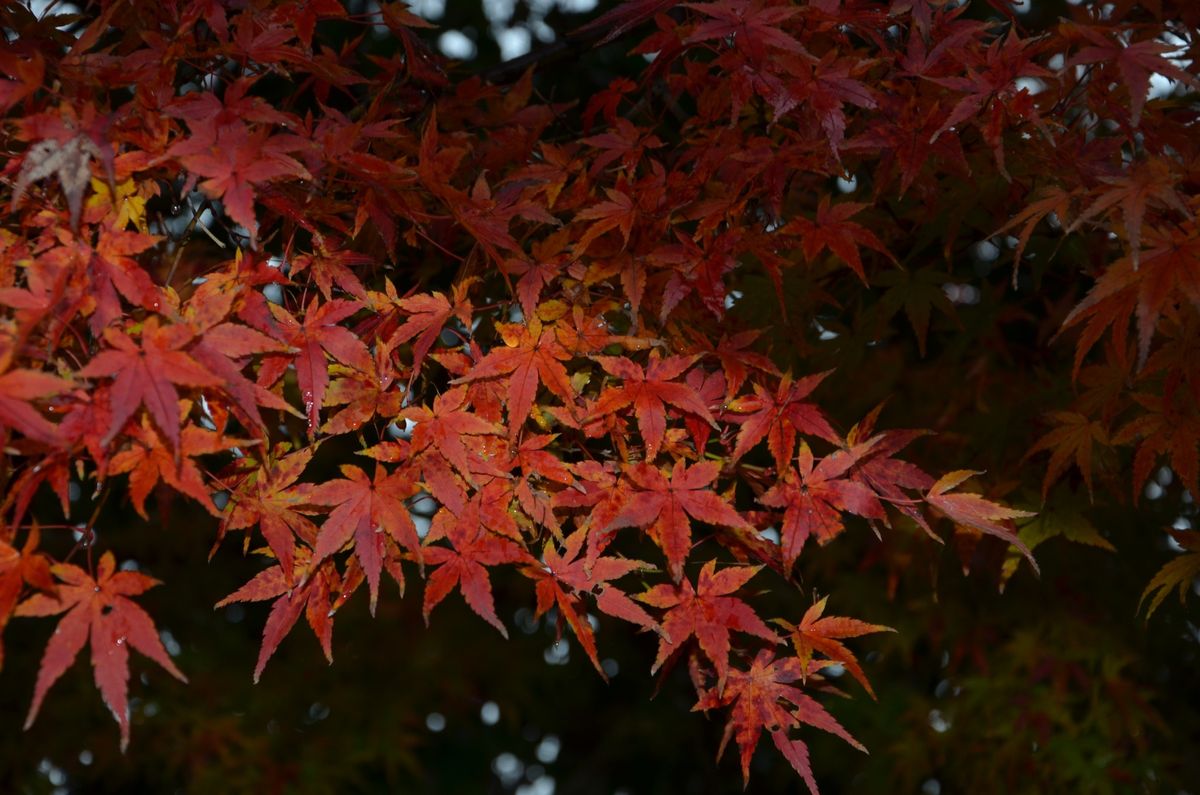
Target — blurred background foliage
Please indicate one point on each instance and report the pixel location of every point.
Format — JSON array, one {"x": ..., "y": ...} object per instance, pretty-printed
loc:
[{"x": 1054, "y": 685}]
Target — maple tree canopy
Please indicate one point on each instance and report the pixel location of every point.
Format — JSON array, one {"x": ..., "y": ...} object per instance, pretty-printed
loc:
[{"x": 754, "y": 316}]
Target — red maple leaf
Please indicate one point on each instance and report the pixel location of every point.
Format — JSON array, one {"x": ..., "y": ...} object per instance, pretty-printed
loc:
[
  {"x": 813, "y": 499},
  {"x": 1142, "y": 186},
  {"x": 753, "y": 27},
  {"x": 832, "y": 229},
  {"x": 19, "y": 568},
  {"x": 146, "y": 374},
  {"x": 564, "y": 577},
  {"x": 601, "y": 490},
  {"x": 235, "y": 159},
  {"x": 99, "y": 609},
  {"x": 1137, "y": 62},
  {"x": 427, "y": 316},
  {"x": 831, "y": 86},
  {"x": 366, "y": 509},
  {"x": 318, "y": 334},
  {"x": 736, "y": 358},
  {"x": 817, "y": 633},
  {"x": 1071, "y": 441},
  {"x": 648, "y": 391},
  {"x": 667, "y": 507},
  {"x": 314, "y": 597},
  {"x": 887, "y": 476},
  {"x": 531, "y": 354},
  {"x": 765, "y": 698},
  {"x": 462, "y": 564},
  {"x": 779, "y": 416},
  {"x": 364, "y": 395},
  {"x": 269, "y": 497},
  {"x": 17, "y": 389},
  {"x": 332, "y": 266},
  {"x": 236, "y": 104},
  {"x": 976, "y": 512},
  {"x": 619, "y": 212},
  {"x": 224, "y": 347},
  {"x": 1170, "y": 426},
  {"x": 1166, "y": 275},
  {"x": 148, "y": 461},
  {"x": 539, "y": 468},
  {"x": 708, "y": 613},
  {"x": 442, "y": 439}
]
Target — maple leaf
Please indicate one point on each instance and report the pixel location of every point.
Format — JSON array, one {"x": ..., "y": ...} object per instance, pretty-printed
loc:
[
  {"x": 223, "y": 349},
  {"x": 269, "y": 497},
  {"x": 587, "y": 332},
  {"x": 648, "y": 391},
  {"x": 1070, "y": 441},
  {"x": 625, "y": 142},
  {"x": 1136, "y": 61},
  {"x": 887, "y": 476},
  {"x": 778, "y": 417},
  {"x": 112, "y": 271},
  {"x": 1054, "y": 521},
  {"x": 667, "y": 507},
  {"x": 314, "y": 598},
  {"x": 442, "y": 435},
  {"x": 816, "y": 632},
  {"x": 17, "y": 389},
  {"x": 539, "y": 272},
  {"x": 904, "y": 132},
  {"x": 531, "y": 354},
  {"x": 737, "y": 360},
  {"x": 148, "y": 461},
  {"x": 1170, "y": 425},
  {"x": 917, "y": 292},
  {"x": 561, "y": 579},
  {"x": 366, "y": 509},
  {"x": 462, "y": 564},
  {"x": 235, "y": 160},
  {"x": 708, "y": 613},
  {"x": 364, "y": 395},
  {"x": 765, "y": 698},
  {"x": 976, "y": 512},
  {"x": 329, "y": 267},
  {"x": 27, "y": 71},
  {"x": 318, "y": 334},
  {"x": 1178, "y": 574},
  {"x": 1167, "y": 272},
  {"x": 236, "y": 103},
  {"x": 68, "y": 160},
  {"x": 146, "y": 375},
  {"x": 487, "y": 219},
  {"x": 813, "y": 498},
  {"x": 125, "y": 204},
  {"x": 991, "y": 86},
  {"x": 1052, "y": 200},
  {"x": 427, "y": 316},
  {"x": 1133, "y": 191},
  {"x": 539, "y": 467},
  {"x": 619, "y": 20},
  {"x": 752, "y": 27},
  {"x": 19, "y": 568},
  {"x": 830, "y": 86},
  {"x": 97, "y": 609},
  {"x": 619, "y": 212},
  {"x": 601, "y": 490},
  {"x": 832, "y": 229}
]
